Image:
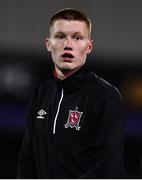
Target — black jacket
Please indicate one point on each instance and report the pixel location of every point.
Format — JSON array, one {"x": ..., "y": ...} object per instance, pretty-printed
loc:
[{"x": 75, "y": 130}]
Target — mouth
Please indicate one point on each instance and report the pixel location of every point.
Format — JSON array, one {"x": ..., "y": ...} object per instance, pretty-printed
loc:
[{"x": 67, "y": 55}]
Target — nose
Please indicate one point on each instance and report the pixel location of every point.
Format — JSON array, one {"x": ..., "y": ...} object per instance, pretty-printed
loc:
[{"x": 68, "y": 44}]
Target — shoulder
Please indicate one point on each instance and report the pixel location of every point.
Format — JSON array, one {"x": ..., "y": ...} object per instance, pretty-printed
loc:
[
  {"x": 41, "y": 89},
  {"x": 104, "y": 88}
]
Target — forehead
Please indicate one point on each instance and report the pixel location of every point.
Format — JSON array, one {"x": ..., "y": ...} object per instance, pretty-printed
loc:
[{"x": 68, "y": 26}]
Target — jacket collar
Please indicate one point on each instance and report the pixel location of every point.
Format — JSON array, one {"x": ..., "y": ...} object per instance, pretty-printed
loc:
[{"x": 76, "y": 81}]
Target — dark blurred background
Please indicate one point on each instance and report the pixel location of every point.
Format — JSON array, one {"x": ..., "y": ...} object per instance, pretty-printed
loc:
[{"x": 25, "y": 63}]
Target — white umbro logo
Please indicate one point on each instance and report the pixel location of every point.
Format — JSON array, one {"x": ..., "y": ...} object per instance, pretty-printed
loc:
[{"x": 41, "y": 114}]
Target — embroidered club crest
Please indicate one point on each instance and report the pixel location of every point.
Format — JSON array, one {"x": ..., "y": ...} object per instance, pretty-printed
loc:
[{"x": 74, "y": 119}]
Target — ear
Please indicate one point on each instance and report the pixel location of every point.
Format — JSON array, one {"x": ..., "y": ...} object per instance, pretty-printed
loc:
[
  {"x": 90, "y": 46},
  {"x": 48, "y": 44}
]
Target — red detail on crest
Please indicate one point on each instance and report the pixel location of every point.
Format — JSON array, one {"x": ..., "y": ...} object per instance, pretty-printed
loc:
[{"x": 73, "y": 119}]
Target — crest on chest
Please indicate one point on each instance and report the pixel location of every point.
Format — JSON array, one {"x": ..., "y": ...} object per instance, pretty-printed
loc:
[{"x": 73, "y": 119}]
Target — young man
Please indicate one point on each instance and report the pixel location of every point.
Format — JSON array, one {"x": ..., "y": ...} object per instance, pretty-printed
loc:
[{"x": 75, "y": 126}]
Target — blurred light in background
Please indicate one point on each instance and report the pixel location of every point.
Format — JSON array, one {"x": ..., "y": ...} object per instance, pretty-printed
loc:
[
  {"x": 132, "y": 89},
  {"x": 15, "y": 80}
]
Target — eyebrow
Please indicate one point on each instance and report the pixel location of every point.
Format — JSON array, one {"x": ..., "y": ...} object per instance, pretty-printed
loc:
[{"x": 60, "y": 32}]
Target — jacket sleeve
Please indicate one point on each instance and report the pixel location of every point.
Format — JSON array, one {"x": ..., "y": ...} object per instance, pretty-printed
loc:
[
  {"x": 26, "y": 161},
  {"x": 108, "y": 139}
]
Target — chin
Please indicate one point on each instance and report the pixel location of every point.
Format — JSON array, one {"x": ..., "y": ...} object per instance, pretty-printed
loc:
[{"x": 68, "y": 67}]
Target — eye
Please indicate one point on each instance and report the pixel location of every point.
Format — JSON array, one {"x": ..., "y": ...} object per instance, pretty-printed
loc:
[
  {"x": 78, "y": 37},
  {"x": 60, "y": 36}
]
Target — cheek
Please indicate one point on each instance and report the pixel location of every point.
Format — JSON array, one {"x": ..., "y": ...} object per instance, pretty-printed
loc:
[
  {"x": 57, "y": 43},
  {"x": 56, "y": 47},
  {"x": 83, "y": 50},
  {"x": 54, "y": 50}
]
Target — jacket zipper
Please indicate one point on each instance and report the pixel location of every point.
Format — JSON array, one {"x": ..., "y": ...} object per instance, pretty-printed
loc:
[{"x": 58, "y": 109}]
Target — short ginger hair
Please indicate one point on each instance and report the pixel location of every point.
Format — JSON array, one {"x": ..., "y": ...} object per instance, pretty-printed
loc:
[{"x": 70, "y": 14}]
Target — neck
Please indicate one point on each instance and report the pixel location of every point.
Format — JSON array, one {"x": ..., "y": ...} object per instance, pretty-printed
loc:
[{"x": 64, "y": 74}]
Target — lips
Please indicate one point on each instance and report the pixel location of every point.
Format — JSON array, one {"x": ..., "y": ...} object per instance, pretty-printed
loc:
[{"x": 67, "y": 55}]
